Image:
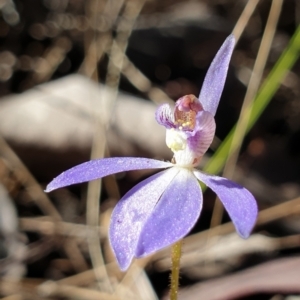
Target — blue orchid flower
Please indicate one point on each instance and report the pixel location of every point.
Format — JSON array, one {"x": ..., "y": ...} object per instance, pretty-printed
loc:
[{"x": 163, "y": 209}]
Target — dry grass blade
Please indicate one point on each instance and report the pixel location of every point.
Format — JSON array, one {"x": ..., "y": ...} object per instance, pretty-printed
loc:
[
  {"x": 46, "y": 226},
  {"x": 88, "y": 277},
  {"x": 244, "y": 18},
  {"x": 53, "y": 57},
  {"x": 278, "y": 276},
  {"x": 93, "y": 211},
  {"x": 136, "y": 281},
  {"x": 130, "y": 12},
  {"x": 119, "y": 45},
  {"x": 77, "y": 260},
  {"x": 13, "y": 297},
  {"x": 98, "y": 149},
  {"x": 252, "y": 89},
  {"x": 24, "y": 176},
  {"x": 52, "y": 289},
  {"x": 276, "y": 212},
  {"x": 253, "y": 86},
  {"x": 94, "y": 52},
  {"x": 25, "y": 288},
  {"x": 140, "y": 81},
  {"x": 98, "y": 38},
  {"x": 228, "y": 248}
]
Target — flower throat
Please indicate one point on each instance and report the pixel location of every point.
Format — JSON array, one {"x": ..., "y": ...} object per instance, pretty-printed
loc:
[{"x": 186, "y": 109}]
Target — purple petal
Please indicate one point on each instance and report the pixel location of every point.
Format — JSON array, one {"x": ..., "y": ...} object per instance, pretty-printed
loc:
[
  {"x": 216, "y": 75},
  {"x": 99, "y": 168},
  {"x": 164, "y": 115},
  {"x": 174, "y": 216},
  {"x": 238, "y": 201},
  {"x": 202, "y": 136},
  {"x": 131, "y": 213}
]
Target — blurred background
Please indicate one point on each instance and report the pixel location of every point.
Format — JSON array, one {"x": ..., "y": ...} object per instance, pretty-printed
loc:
[{"x": 82, "y": 79}]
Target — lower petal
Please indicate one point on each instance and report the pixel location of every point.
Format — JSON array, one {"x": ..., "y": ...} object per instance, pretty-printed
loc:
[
  {"x": 174, "y": 216},
  {"x": 238, "y": 201},
  {"x": 131, "y": 213}
]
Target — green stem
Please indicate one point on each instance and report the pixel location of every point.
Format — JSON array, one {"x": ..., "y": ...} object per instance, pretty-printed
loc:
[{"x": 176, "y": 254}]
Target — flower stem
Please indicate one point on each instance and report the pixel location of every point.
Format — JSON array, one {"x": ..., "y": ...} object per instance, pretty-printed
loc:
[{"x": 176, "y": 254}]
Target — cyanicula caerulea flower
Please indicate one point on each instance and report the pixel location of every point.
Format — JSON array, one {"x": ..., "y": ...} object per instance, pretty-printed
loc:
[{"x": 162, "y": 209}]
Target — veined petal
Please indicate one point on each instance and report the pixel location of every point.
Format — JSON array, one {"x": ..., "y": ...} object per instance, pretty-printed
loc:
[
  {"x": 99, "y": 168},
  {"x": 164, "y": 115},
  {"x": 174, "y": 215},
  {"x": 238, "y": 201},
  {"x": 216, "y": 75},
  {"x": 131, "y": 213},
  {"x": 202, "y": 136}
]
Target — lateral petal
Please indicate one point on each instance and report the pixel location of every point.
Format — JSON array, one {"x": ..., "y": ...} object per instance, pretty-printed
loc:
[
  {"x": 99, "y": 168},
  {"x": 202, "y": 136},
  {"x": 174, "y": 215},
  {"x": 214, "y": 80},
  {"x": 164, "y": 115},
  {"x": 238, "y": 201},
  {"x": 132, "y": 212}
]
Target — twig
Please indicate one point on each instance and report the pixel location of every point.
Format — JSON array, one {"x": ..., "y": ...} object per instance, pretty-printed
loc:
[
  {"x": 230, "y": 247},
  {"x": 87, "y": 277},
  {"x": 52, "y": 289},
  {"x": 46, "y": 226},
  {"x": 76, "y": 258},
  {"x": 27, "y": 180},
  {"x": 274, "y": 213}
]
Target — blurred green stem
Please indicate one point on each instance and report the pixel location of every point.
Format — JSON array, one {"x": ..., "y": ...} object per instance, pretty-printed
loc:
[{"x": 176, "y": 254}]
